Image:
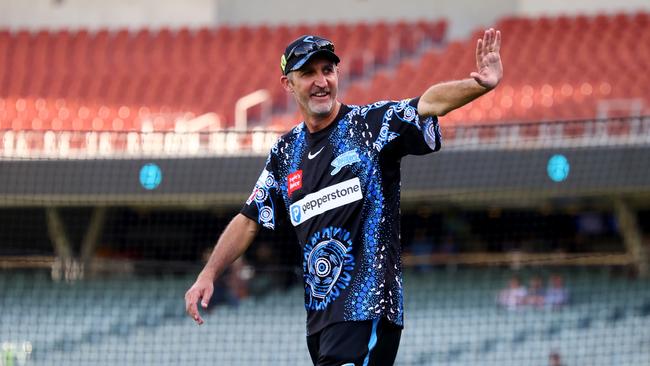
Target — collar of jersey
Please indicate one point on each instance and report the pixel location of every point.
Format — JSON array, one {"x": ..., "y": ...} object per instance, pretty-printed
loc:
[{"x": 326, "y": 131}]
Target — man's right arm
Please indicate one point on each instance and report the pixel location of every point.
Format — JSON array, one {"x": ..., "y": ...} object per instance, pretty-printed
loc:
[{"x": 232, "y": 243}]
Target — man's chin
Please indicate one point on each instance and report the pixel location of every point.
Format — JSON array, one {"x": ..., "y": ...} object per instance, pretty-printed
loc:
[{"x": 321, "y": 110}]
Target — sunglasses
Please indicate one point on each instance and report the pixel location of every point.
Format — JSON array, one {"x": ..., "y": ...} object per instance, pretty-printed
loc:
[{"x": 307, "y": 47}]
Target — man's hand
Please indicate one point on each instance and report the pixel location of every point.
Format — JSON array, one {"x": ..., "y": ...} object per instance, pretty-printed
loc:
[
  {"x": 202, "y": 290},
  {"x": 232, "y": 243},
  {"x": 488, "y": 60}
]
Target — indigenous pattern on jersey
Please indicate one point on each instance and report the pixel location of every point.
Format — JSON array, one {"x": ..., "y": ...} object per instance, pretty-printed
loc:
[{"x": 340, "y": 189}]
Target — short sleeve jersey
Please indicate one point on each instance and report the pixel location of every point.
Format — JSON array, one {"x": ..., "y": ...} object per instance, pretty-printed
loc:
[{"x": 340, "y": 188}]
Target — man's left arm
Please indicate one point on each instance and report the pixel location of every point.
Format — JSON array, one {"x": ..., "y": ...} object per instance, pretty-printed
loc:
[{"x": 443, "y": 98}]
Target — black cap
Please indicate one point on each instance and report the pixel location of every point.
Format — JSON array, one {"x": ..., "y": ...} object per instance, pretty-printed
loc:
[{"x": 302, "y": 49}]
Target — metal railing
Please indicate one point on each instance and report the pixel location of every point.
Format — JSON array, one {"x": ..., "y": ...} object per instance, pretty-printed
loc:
[{"x": 120, "y": 144}]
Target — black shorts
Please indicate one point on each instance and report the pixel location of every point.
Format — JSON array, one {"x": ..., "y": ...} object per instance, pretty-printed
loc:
[{"x": 364, "y": 343}]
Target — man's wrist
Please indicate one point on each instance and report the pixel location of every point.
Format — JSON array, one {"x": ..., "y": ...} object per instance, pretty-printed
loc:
[
  {"x": 206, "y": 275},
  {"x": 486, "y": 88}
]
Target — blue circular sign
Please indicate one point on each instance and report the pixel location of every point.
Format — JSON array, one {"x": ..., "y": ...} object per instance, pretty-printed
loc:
[
  {"x": 558, "y": 168},
  {"x": 150, "y": 176}
]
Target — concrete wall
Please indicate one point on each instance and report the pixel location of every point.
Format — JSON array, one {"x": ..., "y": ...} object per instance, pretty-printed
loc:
[
  {"x": 463, "y": 15},
  {"x": 470, "y": 176},
  {"x": 590, "y": 7},
  {"x": 94, "y": 14}
]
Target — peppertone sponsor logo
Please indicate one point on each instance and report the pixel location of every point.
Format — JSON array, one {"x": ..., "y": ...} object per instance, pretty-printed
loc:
[{"x": 324, "y": 200}]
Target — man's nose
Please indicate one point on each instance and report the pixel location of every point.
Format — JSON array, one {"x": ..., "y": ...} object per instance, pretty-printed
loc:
[{"x": 320, "y": 81}]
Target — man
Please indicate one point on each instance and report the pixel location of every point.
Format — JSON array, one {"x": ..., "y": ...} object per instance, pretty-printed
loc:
[
  {"x": 556, "y": 294},
  {"x": 513, "y": 297},
  {"x": 337, "y": 176}
]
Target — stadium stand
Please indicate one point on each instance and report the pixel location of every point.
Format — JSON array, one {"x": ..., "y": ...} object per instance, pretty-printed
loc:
[
  {"x": 116, "y": 80},
  {"x": 124, "y": 81},
  {"x": 453, "y": 320},
  {"x": 97, "y": 93},
  {"x": 556, "y": 68}
]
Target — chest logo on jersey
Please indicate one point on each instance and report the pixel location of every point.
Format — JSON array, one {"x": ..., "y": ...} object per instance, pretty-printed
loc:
[
  {"x": 294, "y": 182},
  {"x": 324, "y": 200},
  {"x": 311, "y": 156},
  {"x": 327, "y": 266},
  {"x": 345, "y": 159}
]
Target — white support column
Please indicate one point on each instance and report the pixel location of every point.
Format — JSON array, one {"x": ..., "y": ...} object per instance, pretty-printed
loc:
[
  {"x": 632, "y": 237},
  {"x": 242, "y": 105},
  {"x": 92, "y": 236},
  {"x": 64, "y": 263}
]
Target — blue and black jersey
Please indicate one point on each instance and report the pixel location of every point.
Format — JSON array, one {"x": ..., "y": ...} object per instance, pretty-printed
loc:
[{"x": 340, "y": 188}]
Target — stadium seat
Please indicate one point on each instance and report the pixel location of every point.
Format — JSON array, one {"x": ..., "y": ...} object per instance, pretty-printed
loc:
[
  {"x": 452, "y": 319},
  {"x": 562, "y": 75},
  {"x": 592, "y": 60},
  {"x": 197, "y": 70}
]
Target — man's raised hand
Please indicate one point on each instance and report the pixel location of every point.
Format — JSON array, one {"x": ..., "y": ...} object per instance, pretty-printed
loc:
[{"x": 488, "y": 61}]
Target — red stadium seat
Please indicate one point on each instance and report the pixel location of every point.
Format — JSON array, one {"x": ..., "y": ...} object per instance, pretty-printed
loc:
[
  {"x": 577, "y": 62},
  {"x": 566, "y": 76}
]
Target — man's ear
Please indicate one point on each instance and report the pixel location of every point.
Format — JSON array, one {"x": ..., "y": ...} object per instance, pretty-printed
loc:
[{"x": 287, "y": 84}]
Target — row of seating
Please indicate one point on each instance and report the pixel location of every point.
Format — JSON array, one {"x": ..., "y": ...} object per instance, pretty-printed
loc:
[
  {"x": 149, "y": 51},
  {"x": 451, "y": 319},
  {"x": 554, "y": 68},
  {"x": 200, "y": 71}
]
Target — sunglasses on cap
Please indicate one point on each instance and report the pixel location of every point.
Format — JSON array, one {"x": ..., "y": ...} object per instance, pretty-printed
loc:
[
  {"x": 309, "y": 46},
  {"x": 302, "y": 49}
]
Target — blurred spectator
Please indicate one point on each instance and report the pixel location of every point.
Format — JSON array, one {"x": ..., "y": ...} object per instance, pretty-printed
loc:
[
  {"x": 272, "y": 269},
  {"x": 554, "y": 359},
  {"x": 233, "y": 285},
  {"x": 535, "y": 295},
  {"x": 516, "y": 296},
  {"x": 449, "y": 245},
  {"x": 421, "y": 245},
  {"x": 238, "y": 275},
  {"x": 556, "y": 294},
  {"x": 513, "y": 296}
]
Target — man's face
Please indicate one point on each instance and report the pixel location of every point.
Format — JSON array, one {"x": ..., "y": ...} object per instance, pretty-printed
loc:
[{"x": 314, "y": 86}]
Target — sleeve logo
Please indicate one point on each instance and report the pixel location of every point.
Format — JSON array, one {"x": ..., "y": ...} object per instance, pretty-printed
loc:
[
  {"x": 264, "y": 183},
  {"x": 252, "y": 196}
]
